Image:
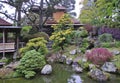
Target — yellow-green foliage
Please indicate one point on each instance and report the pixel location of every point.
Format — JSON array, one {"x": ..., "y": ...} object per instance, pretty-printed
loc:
[
  {"x": 62, "y": 32},
  {"x": 38, "y": 44}
]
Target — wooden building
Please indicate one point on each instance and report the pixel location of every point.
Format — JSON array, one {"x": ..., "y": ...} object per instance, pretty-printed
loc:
[
  {"x": 55, "y": 17},
  {"x": 5, "y": 29}
]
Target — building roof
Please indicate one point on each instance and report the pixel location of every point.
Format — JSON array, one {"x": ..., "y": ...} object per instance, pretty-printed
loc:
[{"x": 4, "y": 23}]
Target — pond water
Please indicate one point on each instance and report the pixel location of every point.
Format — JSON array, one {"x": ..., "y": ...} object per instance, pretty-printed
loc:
[{"x": 61, "y": 74}]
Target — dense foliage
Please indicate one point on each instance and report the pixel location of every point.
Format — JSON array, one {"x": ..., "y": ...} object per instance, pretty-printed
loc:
[
  {"x": 31, "y": 61},
  {"x": 99, "y": 56},
  {"x": 62, "y": 32},
  {"x": 105, "y": 37},
  {"x": 38, "y": 44},
  {"x": 114, "y": 31},
  {"x": 101, "y": 12},
  {"x": 79, "y": 37}
]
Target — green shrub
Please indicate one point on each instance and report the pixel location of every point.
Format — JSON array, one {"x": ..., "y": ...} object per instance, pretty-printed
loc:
[
  {"x": 84, "y": 65},
  {"x": 84, "y": 44},
  {"x": 105, "y": 37},
  {"x": 111, "y": 44},
  {"x": 38, "y": 44},
  {"x": 62, "y": 32},
  {"x": 106, "y": 45},
  {"x": 4, "y": 60},
  {"x": 117, "y": 44},
  {"x": 40, "y": 34},
  {"x": 30, "y": 62}
]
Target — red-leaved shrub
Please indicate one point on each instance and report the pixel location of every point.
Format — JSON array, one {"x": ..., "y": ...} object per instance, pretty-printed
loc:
[{"x": 99, "y": 56}]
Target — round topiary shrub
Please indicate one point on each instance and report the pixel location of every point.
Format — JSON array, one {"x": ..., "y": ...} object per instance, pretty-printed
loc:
[
  {"x": 105, "y": 37},
  {"x": 38, "y": 44},
  {"x": 99, "y": 56},
  {"x": 30, "y": 62},
  {"x": 41, "y": 34}
]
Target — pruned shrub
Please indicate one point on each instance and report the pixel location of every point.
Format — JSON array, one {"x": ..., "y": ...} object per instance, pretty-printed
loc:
[
  {"x": 99, "y": 56},
  {"x": 31, "y": 61},
  {"x": 105, "y": 37},
  {"x": 41, "y": 34},
  {"x": 62, "y": 33},
  {"x": 38, "y": 44}
]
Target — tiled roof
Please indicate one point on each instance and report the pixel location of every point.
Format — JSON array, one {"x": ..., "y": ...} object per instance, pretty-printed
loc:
[{"x": 4, "y": 22}]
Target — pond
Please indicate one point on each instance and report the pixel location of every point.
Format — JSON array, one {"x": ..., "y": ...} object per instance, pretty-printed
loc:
[{"x": 61, "y": 74}]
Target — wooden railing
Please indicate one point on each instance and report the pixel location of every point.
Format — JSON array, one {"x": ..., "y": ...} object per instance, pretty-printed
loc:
[{"x": 7, "y": 47}]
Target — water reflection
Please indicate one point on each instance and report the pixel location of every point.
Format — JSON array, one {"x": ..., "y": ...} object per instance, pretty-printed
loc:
[
  {"x": 74, "y": 79},
  {"x": 47, "y": 79}
]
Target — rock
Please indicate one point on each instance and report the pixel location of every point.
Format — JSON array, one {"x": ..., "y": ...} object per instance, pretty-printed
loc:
[
  {"x": 69, "y": 61},
  {"x": 78, "y": 69},
  {"x": 116, "y": 52},
  {"x": 98, "y": 75},
  {"x": 13, "y": 65},
  {"x": 79, "y": 51},
  {"x": 77, "y": 59},
  {"x": 47, "y": 69},
  {"x": 62, "y": 59},
  {"x": 74, "y": 79},
  {"x": 74, "y": 64},
  {"x": 88, "y": 51},
  {"x": 84, "y": 60},
  {"x": 51, "y": 58},
  {"x": 109, "y": 67},
  {"x": 73, "y": 52}
]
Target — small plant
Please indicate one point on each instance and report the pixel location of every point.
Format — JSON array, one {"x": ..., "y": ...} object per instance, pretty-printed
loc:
[
  {"x": 4, "y": 60},
  {"x": 30, "y": 62},
  {"x": 99, "y": 56},
  {"x": 105, "y": 37},
  {"x": 117, "y": 62}
]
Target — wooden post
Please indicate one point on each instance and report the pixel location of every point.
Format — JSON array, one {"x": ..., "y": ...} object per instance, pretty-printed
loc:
[
  {"x": 16, "y": 45},
  {"x": 3, "y": 44}
]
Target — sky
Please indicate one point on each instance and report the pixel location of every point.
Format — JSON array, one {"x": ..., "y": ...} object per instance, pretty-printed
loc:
[{"x": 77, "y": 8}]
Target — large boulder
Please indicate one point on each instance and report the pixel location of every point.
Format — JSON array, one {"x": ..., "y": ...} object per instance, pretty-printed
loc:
[
  {"x": 47, "y": 69},
  {"x": 115, "y": 52},
  {"x": 109, "y": 67},
  {"x": 98, "y": 75}
]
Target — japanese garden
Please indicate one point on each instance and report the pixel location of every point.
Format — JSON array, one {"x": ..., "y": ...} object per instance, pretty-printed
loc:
[{"x": 43, "y": 41}]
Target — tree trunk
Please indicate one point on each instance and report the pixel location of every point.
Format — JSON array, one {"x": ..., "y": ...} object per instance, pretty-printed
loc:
[{"x": 41, "y": 15}]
